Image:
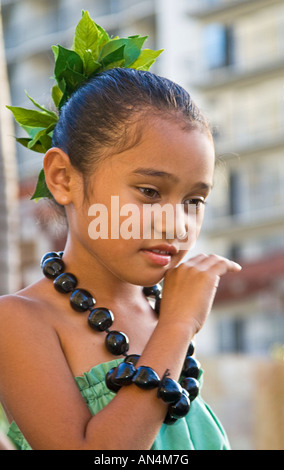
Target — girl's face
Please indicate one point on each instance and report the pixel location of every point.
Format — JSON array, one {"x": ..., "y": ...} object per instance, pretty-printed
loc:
[{"x": 124, "y": 221}]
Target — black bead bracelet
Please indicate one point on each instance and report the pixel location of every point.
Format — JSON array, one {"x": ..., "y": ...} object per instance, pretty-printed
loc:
[{"x": 177, "y": 396}]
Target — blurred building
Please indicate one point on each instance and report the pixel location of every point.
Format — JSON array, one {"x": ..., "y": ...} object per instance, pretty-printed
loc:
[
  {"x": 230, "y": 55},
  {"x": 240, "y": 79},
  {"x": 10, "y": 279}
]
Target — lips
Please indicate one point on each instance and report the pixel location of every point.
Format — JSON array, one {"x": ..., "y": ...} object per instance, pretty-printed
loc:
[
  {"x": 160, "y": 254},
  {"x": 164, "y": 249}
]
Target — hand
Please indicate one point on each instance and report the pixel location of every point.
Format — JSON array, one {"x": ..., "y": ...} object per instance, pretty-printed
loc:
[{"x": 189, "y": 290}]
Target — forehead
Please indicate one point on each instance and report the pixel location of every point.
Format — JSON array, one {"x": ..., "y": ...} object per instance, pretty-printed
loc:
[{"x": 167, "y": 147}]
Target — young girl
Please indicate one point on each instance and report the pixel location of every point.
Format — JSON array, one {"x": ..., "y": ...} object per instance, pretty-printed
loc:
[{"x": 72, "y": 383}]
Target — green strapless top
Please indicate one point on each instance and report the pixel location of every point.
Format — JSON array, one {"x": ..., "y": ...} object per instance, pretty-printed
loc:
[{"x": 199, "y": 430}]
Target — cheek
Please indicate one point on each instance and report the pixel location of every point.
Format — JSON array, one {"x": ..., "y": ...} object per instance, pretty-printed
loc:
[{"x": 197, "y": 220}]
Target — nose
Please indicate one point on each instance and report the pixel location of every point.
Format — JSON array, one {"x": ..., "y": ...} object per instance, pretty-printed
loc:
[
  {"x": 170, "y": 221},
  {"x": 176, "y": 223},
  {"x": 181, "y": 222}
]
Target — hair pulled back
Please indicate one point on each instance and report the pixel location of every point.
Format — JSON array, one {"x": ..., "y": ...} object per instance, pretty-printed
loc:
[{"x": 95, "y": 122}]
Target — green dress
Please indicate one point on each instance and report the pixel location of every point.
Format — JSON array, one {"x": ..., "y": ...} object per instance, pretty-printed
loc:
[{"x": 199, "y": 430}]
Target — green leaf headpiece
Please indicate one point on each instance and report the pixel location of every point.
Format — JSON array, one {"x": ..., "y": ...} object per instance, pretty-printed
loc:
[{"x": 93, "y": 51}]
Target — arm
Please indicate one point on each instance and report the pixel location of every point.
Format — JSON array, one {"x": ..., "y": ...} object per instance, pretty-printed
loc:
[{"x": 39, "y": 390}]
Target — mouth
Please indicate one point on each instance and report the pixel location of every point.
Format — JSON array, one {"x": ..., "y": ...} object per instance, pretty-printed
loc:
[{"x": 160, "y": 255}]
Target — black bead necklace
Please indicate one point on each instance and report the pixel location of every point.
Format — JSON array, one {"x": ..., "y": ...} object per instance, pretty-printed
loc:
[{"x": 177, "y": 396}]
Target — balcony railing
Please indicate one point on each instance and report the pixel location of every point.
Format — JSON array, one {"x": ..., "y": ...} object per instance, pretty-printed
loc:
[
  {"x": 22, "y": 41},
  {"x": 210, "y": 79},
  {"x": 246, "y": 143},
  {"x": 250, "y": 222},
  {"x": 208, "y": 9}
]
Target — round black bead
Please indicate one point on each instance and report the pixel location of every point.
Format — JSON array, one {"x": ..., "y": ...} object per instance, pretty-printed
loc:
[
  {"x": 192, "y": 386},
  {"x": 191, "y": 367},
  {"x": 180, "y": 408},
  {"x": 52, "y": 267},
  {"x": 169, "y": 420},
  {"x": 132, "y": 359},
  {"x": 109, "y": 382},
  {"x": 123, "y": 374},
  {"x": 169, "y": 390},
  {"x": 158, "y": 304},
  {"x": 191, "y": 349},
  {"x": 50, "y": 254},
  {"x": 152, "y": 290},
  {"x": 81, "y": 300},
  {"x": 146, "y": 378},
  {"x": 65, "y": 283},
  {"x": 117, "y": 343},
  {"x": 100, "y": 319}
]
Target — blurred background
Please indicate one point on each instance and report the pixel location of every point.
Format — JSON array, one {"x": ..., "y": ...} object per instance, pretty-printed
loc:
[{"x": 229, "y": 54}]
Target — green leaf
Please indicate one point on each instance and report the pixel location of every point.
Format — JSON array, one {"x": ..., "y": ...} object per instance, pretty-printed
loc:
[
  {"x": 90, "y": 64},
  {"x": 25, "y": 142},
  {"x": 61, "y": 84},
  {"x": 72, "y": 79},
  {"x": 56, "y": 94},
  {"x": 41, "y": 188},
  {"x": 114, "y": 56},
  {"x": 65, "y": 95},
  {"x": 113, "y": 65},
  {"x": 132, "y": 48},
  {"x": 46, "y": 141},
  {"x": 43, "y": 137},
  {"x": 66, "y": 59},
  {"x": 43, "y": 108},
  {"x": 68, "y": 72},
  {"x": 146, "y": 59},
  {"x": 32, "y": 118},
  {"x": 32, "y": 131},
  {"x": 87, "y": 37},
  {"x": 55, "y": 50},
  {"x": 104, "y": 37},
  {"x": 40, "y": 139}
]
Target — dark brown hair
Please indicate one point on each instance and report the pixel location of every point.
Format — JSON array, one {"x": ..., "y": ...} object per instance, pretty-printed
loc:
[{"x": 98, "y": 113}]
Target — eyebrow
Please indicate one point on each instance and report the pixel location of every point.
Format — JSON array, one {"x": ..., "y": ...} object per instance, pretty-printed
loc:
[
  {"x": 163, "y": 174},
  {"x": 156, "y": 173}
]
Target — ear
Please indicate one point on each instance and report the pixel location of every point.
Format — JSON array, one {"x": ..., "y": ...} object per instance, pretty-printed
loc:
[{"x": 60, "y": 175}]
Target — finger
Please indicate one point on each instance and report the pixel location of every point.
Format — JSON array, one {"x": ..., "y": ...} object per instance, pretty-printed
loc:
[
  {"x": 203, "y": 261},
  {"x": 195, "y": 260},
  {"x": 219, "y": 264}
]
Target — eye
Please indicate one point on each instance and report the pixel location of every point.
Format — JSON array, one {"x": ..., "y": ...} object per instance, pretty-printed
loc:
[
  {"x": 149, "y": 192},
  {"x": 197, "y": 202}
]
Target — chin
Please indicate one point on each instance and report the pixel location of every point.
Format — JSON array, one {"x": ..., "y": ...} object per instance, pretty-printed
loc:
[{"x": 147, "y": 279}]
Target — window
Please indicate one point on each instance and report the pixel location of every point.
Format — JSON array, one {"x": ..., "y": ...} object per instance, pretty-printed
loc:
[
  {"x": 219, "y": 45},
  {"x": 235, "y": 194},
  {"x": 256, "y": 334},
  {"x": 256, "y": 188},
  {"x": 232, "y": 335}
]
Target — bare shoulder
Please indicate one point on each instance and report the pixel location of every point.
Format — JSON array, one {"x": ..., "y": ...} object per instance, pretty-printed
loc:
[
  {"x": 13, "y": 303},
  {"x": 23, "y": 317},
  {"x": 33, "y": 301},
  {"x": 14, "y": 308},
  {"x": 19, "y": 308}
]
